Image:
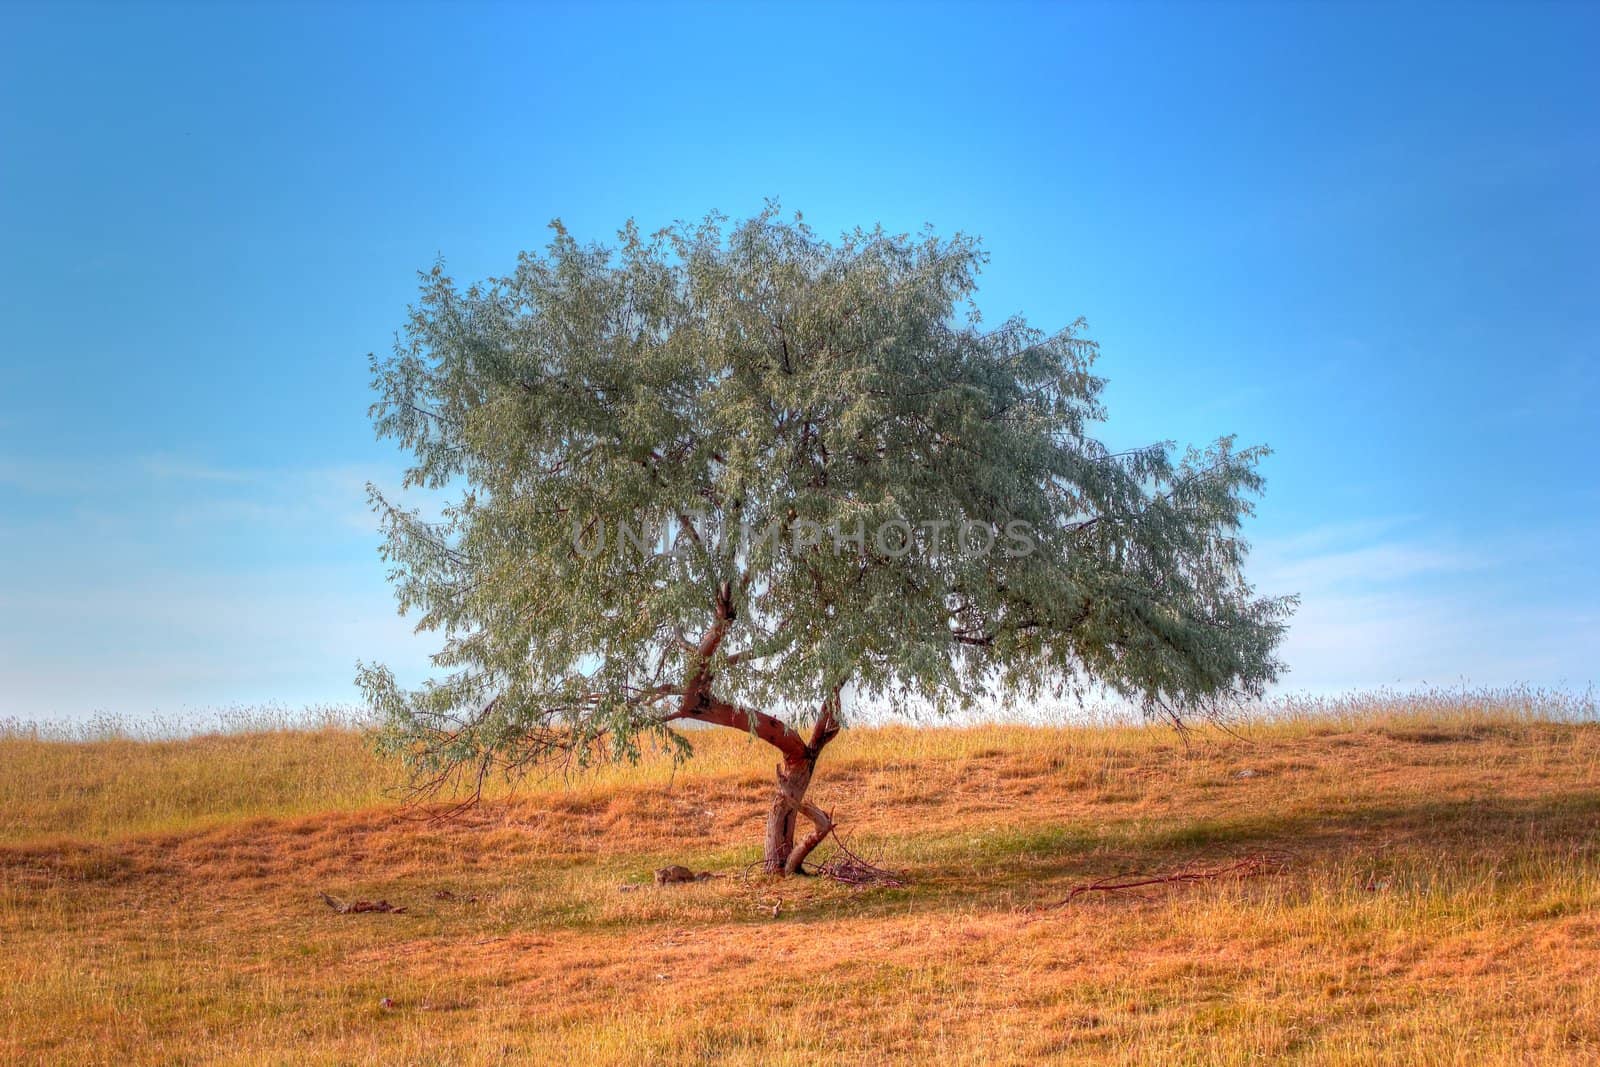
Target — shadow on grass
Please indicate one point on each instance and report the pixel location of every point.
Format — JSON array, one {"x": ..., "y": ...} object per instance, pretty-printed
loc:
[
  {"x": 1007, "y": 869},
  {"x": 1010, "y": 868},
  {"x": 975, "y": 869}
]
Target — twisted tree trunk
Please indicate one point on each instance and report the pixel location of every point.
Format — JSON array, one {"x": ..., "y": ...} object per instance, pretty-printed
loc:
[{"x": 783, "y": 856}]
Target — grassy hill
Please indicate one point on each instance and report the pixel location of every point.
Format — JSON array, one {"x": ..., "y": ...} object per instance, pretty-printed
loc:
[{"x": 1432, "y": 896}]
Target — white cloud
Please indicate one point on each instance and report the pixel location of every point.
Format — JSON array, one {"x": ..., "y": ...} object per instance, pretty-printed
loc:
[
  {"x": 179, "y": 469},
  {"x": 1389, "y": 603},
  {"x": 173, "y": 641},
  {"x": 159, "y": 583}
]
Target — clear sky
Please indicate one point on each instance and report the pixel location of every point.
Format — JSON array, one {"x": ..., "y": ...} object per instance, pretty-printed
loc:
[{"x": 1366, "y": 236}]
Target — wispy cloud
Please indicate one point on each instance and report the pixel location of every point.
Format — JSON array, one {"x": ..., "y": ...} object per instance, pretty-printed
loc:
[
  {"x": 1363, "y": 566},
  {"x": 159, "y": 492},
  {"x": 165, "y": 641},
  {"x": 174, "y": 468},
  {"x": 158, "y": 581},
  {"x": 1390, "y": 601}
]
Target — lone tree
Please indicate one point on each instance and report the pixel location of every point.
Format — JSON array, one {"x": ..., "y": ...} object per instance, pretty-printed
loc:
[{"x": 720, "y": 473}]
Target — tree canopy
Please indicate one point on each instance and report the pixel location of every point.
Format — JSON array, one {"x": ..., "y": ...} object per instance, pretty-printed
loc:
[{"x": 724, "y": 470}]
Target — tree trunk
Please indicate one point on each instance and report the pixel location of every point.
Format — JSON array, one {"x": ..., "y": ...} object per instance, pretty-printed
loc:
[{"x": 783, "y": 856}]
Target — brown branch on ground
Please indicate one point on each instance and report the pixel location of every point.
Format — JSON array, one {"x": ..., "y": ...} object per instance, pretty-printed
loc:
[
  {"x": 353, "y": 906},
  {"x": 850, "y": 869},
  {"x": 1248, "y": 867},
  {"x": 843, "y": 866}
]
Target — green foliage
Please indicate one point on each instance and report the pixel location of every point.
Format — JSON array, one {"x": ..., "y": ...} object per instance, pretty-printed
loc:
[{"x": 715, "y": 378}]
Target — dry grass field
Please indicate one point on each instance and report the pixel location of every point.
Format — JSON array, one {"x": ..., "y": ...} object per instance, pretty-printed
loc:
[{"x": 1438, "y": 901}]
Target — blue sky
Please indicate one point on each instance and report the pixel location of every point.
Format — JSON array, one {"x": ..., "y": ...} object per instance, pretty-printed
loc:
[{"x": 1363, "y": 235}]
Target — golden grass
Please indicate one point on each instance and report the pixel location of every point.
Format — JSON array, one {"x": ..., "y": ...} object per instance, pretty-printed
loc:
[{"x": 159, "y": 901}]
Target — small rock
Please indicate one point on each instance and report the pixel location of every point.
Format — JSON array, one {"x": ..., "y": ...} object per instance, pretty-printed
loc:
[{"x": 1246, "y": 773}]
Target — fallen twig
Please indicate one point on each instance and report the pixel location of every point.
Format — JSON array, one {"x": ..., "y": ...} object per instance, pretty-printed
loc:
[
  {"x": 1247, "y": 867},
  {"x": 847, "y": 867}
]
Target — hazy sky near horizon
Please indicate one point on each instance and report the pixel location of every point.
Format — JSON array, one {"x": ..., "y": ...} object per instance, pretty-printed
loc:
[{"x": 1363, "y": 235}]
